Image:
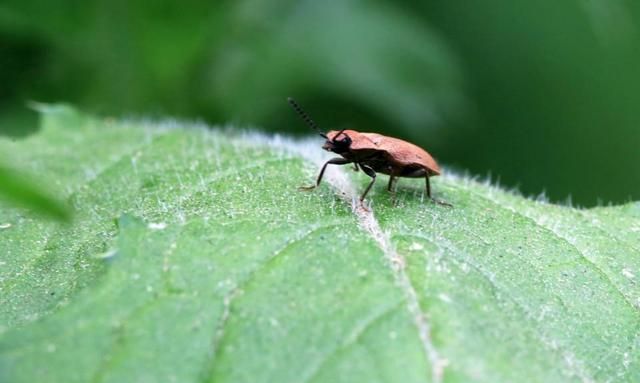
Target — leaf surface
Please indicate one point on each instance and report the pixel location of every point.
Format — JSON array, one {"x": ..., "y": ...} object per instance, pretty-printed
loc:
[{"x": 193, "y": 258}]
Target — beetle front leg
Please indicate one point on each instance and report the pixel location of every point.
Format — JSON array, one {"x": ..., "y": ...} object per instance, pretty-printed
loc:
[
  {"x": 371, "y": 173},
  {"x": 333, "y": 161}
]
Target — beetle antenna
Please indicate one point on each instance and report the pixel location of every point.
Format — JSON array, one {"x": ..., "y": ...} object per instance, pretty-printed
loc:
[
  {"x": 305, "y": 117},
  {"x": 339, "y": 133}
]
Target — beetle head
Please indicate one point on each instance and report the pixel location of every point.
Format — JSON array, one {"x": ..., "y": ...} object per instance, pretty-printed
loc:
[{"x": 337, "y": 142}]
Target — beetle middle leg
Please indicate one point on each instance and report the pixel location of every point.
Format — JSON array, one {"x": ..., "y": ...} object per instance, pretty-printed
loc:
[
  {"x": 371, "y": 173},
  {"x": 333, "y": 161},
  {"x": 392, "y": 188},
  {"x": 393, "y": 180}
]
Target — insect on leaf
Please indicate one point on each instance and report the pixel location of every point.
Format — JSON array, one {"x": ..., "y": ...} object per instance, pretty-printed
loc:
[{"x": 192, "y": 257}]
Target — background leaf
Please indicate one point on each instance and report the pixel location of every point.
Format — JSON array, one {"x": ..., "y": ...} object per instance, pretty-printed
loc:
[
  {"x": 192, "y": 257},
  {"x": 16, "y": 189},
  {"x": 27, "y": 190},
  {"x": 542, "y": 95}
]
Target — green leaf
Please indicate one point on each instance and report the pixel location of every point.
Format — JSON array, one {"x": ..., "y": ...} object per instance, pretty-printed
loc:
[
  {"x": 17, "y": 189},
  {"x": 193, "y": 257}
]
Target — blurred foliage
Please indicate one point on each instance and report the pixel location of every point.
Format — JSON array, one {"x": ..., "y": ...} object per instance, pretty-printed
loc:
[
  {"x": 541, "y": 94},
  {"x": 20, "y": 191}
]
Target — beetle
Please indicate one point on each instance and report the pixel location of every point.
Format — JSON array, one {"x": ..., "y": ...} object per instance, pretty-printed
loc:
[{"x": 374, "y": 153}]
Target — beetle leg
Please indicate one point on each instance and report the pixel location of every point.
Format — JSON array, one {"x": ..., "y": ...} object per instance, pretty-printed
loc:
[
  {"x": 333, "y": 161},
  {"x": 426, "y": 178},
  {"x": 433, "y": 199},
  {"x": 355, "y": 166},
  {"x": 392, "y": 188},
  {"x": 393, "y": 180},
  {"x": 371, "y": 173}
]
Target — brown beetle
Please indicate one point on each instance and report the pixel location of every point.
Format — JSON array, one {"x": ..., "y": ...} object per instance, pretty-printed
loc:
[{"x": 374, "y": 153}]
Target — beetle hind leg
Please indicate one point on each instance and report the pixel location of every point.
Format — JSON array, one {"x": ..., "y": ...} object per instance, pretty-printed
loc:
[{"x": 428, "y": 187}]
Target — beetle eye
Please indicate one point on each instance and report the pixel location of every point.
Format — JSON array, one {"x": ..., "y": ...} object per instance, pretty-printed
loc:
[{"x": 344, "y": 141}]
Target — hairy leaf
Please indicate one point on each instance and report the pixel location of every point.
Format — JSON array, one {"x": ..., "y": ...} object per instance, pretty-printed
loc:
[{"x": 192, "y": 257}]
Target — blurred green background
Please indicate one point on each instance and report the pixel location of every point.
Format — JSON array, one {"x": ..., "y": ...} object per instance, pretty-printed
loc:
[{"x": 541, "y": 95}]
